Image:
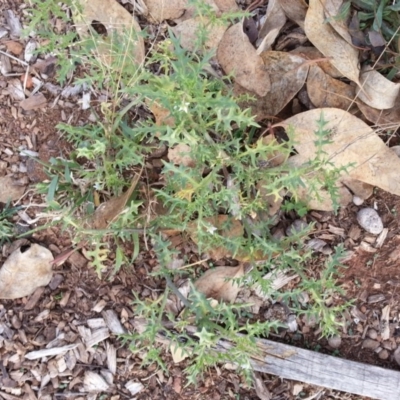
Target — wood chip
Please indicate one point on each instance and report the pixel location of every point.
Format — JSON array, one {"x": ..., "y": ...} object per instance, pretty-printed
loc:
[
  {"x": 93, "y": 382},
  {"x": 33, "y": 102},
  {"x": 111, "y": 358},
  {"x": 113, "y": 322},
  {"x": 381, "y": 238},
  {"x": 30, "y": 305},
  {"x": 337, "y": 231},
  {"x": 376, "y": 298},
  {"x": 96, "y": 323},
  {"x": 97, "y": 336},
  {"x": 385, "y": 328},
  {"x": 34, "y": 355},
  {"x": 134, "y": 387},
  {"x": 99, "y": 306}
]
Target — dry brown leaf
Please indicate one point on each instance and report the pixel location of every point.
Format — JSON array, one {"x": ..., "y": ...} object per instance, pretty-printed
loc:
[
  {"x": 23, "y": 273},
  {"x": 161, "y": 114},
  {"x": 361, "y": 189},
  {"x": 325, "y": 91},
  {"x": 178, "y": 353},
  {"x": 381, "y": 117},
  {"x": 14, "y": 47},
  {"x": 274, "y": 21},
  {"x": 312, "y": 53},
  {"x": 378, "y": 92},
  {"x": 331, "y": 10},
  {"x": 352, "y": 141},
  {"x": 109, "y": 210},
  {"x": 322, "y": 202},
  {"x": 115, "y": 18},
  {"x": 180, "y": 155},
  {"x": 187, "y": 31},
  {"x": 9, "y": 191},
  {"x": 321, "y": 34},
  {"x": 295, "y": 10},
  {"x": 161, "y": 10},
  {"x": 287, "y": 75},
  {"x": 218, "y": 283},
  {"x": 224, "y": 225},
  {"x": 237, "y": 56},
  {"x": 227, "y": 5}
]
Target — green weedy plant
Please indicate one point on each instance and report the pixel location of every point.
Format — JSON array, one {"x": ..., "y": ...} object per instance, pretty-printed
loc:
[
  {"x": 224, "y": 147},
  {"x": 7, "y": 231}
]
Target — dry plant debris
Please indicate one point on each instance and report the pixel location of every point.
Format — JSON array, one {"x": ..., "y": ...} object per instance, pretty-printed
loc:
[{"x": 273, "y": 69}]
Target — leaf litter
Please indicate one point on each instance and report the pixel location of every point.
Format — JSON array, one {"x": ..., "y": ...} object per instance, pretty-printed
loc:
[{"x": 270, "y": 76}]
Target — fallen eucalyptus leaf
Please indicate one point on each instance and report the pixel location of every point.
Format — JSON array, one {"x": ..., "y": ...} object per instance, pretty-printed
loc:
[
  {"x": 108, "y": 211},
  {"x": 23, "y": 272},
  {"x": 188, "y": 32},
  {"x": 312, "y": 53},
  {"x": 178, "y": 353},
  {"x": 116, "y": 19},
  {"x": 378, "y": 92},
  {"x": 321, "y": 34},
  {"x": 295, "y": 10},
  {"x": 218, "y": 283},
  {"x": 287, "y": 76},
  {"x": 222, "y": 224},
  {"x": 274, "y": 21},
  {"x": 161, "y": 10},
  {"x": 352, "y": 141},
  {"x": 238, "y": 57},
  {"x": 325, "y": 91}
]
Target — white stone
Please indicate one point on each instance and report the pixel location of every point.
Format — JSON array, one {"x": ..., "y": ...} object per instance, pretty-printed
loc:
[{"x": 369, "y": 219}]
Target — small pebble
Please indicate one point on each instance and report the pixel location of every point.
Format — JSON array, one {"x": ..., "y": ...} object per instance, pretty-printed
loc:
[
  {"x": 370, "y": 344},
  {"x": 335, "y": 342},
  {"x": 383, "y": 355},
  {"x": 357, "y": 200},
  {"x": 372, "y": 334},
  {"x": 369, "y": 219}
]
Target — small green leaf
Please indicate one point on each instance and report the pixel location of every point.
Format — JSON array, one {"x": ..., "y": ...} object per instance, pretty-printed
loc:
[{"x": 52, "y": 189}]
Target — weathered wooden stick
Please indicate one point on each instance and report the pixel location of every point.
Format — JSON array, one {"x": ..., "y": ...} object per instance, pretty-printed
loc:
[
  {"x": 328, "y": 371},
  {"x": 314, "y": 368}
]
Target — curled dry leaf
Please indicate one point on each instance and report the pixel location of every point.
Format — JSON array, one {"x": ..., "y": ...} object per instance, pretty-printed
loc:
[
  {"x": 274, "y": 21},
  {"x": 161, "y": 10},
  {"x": 23, "y": 273},
  {"x": 381, "y": 117},
  {"x": 352, "y": 141},
  {"x": 108, "y": 211},
  {"x": 378, "y": 92},
  {"x": 237, "y": 56},
  {"x": 115, "y": 19},
  {"x": 188, "y": 30},
  {"x": 321, "y": 34},
  {"x": 219, "y": 284},
  {"x": 325, "y": 91},
  {"x": 295, "y": 10},
  {"x": 331, "y": 11}
]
